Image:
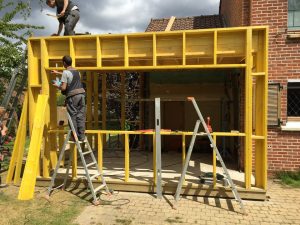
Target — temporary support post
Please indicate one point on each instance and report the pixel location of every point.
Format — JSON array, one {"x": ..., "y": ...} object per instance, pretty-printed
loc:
[
  {"x": 29, "y": 176},
  {"x": 158, "y": 148},
  {"x": 18, "y": 151}
]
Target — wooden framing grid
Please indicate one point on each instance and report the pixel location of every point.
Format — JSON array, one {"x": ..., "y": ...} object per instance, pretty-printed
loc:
[{"x": 243, "y": 47}]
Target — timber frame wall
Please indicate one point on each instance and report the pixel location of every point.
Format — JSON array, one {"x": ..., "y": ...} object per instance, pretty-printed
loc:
[{"x": 241, "y": 47}]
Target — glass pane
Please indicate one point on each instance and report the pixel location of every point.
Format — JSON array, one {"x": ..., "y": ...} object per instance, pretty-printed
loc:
[
  {"x": 290, "y": 19},
  {"x": 297, "y": 19},
  {"x": 294, "y": 5}
]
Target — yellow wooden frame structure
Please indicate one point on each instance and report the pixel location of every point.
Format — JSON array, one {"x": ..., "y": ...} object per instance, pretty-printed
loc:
[{"x": 242, "y": 47}]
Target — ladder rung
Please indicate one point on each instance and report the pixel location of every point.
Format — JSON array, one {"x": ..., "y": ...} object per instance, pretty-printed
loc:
[
  {"x": 91, "y": 164},
  {"x": 94, "y": 176},
  {"x": 87, "y": 152},
  {"x": 99, "y": 188}
]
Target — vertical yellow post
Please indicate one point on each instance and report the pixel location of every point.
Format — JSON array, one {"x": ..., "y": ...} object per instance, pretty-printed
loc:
[
  {"x": 261, "y": 113},
  {"x": 183, "y": 152},
  {"x": 89, "y": 112},
  {"x": 100, "y": 151},
  {"x": 123, "y": 119},
  {"x": 154, "y": 50},
  {"x": 215, "y": 46},
  {"x": 214, "y": 163},
  {"x": 98, "y": 49},
  {"x": 73, "y": 148},
  {"x": 61, "y": 139},
  {"x": 103, "y": 108},
  {"x": 126, "y": 157},
  {"x": 184, "y": 49},
  {"x": 96, "y": 106},
  {"x": 72, "y": 52},
  {"x": 126, "y": 58},
  {"x": 248, "y": 111},
  {"x": 34, "y": 81},
  {"x": 46, "y": 91},
  {"x": 154, "y": 159},
  {"x": 53, "y": 124}
]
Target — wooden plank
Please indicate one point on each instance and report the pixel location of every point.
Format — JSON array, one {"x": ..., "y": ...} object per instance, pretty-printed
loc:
[{"x": 29, "y": 177}]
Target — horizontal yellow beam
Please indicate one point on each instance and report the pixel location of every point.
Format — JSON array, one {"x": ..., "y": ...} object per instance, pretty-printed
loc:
[
  {"x": 175, "y": 67},
  {"x": 220, "y": 134},
  {"x": 149, "y": 34}
]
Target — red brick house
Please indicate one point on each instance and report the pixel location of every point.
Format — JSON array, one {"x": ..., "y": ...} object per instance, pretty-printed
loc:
[{"x": 283, "y": 19}]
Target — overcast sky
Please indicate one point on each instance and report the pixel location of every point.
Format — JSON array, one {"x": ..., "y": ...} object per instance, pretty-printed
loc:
[{"x": 121, "y": 16}]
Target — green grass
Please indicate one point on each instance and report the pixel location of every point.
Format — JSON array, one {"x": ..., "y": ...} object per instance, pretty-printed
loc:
[
  {"x": 289, "y": 178},
  {"x": 63, "y": 208}
]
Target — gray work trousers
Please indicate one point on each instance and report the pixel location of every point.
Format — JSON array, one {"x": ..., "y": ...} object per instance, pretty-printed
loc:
[
  {"x": 77, "y": 111},
  {"x": 71, "y": 22}
]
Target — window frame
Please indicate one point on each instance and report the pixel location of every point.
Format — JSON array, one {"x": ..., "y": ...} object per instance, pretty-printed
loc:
[{"x": 293, "y": 11}]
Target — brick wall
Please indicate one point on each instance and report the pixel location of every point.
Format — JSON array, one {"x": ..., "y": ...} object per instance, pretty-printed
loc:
[
  {"x": 234, "y": 10},
  {"x": 284, "y": 64}
]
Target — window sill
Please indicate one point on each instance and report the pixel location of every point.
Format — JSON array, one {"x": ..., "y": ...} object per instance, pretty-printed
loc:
[
  {"x": 291, "y": 126},
  {"x": 293, "y": 34}
]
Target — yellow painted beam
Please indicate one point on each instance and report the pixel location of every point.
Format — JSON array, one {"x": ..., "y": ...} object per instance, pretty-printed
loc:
[
  {"x": 127, "y": 167},
  {"x": 123, "y": 116},
  {"x": 96, "y": 105},
  {"x": 19, "y": 145},
  {"x": 29, "y": 177},
  {"x": 89, "y": 93},
  {"x": 73, "y": 148},
  {"x": 154, "y": 158},
  {"x": 248, "y": 111},
  {"x": 100, "y": 152},
  {"x": 214, "y": 163},
  {"x": 46, "y": 91}
]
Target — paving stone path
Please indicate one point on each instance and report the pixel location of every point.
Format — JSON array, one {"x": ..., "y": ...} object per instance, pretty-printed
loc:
[{"x": 124, "y": 208}]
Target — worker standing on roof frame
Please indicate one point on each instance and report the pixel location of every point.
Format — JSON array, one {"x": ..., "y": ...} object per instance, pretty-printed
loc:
[{"x": 67, "y": 14}]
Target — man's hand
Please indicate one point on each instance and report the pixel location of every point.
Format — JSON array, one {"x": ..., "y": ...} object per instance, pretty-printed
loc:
[{"x": 62, "y": 13}]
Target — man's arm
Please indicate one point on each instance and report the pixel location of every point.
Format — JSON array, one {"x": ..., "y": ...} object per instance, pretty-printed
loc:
[
  {"x": 66, "y": 3},
  {"x": 60, "y": 27}
]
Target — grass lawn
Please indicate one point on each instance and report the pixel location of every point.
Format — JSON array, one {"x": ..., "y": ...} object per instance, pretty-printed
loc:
[
  {"x": 62, "y": 208},
  {"x": 289, "y": 178}
]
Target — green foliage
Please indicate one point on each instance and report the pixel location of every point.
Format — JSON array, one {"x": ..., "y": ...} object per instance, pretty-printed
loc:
[
  {"x": 60, "y": 99},
  {"x": 13, "y": 36},
  {"x": 15, "y": 31},
  {"x": 289, "y": 178}
]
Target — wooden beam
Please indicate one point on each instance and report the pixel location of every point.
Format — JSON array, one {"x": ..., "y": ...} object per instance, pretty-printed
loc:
[{"x": 170, "y": 23}]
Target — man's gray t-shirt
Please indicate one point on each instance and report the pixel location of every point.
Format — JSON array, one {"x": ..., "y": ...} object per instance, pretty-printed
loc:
[{"x": 67, "y": 77}]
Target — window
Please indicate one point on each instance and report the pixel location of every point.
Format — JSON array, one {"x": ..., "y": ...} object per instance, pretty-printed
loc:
[
  {"x": 294, "y": 15},
  {"x": 293, "y": 98},
  {"x": 274, "y": 104}
]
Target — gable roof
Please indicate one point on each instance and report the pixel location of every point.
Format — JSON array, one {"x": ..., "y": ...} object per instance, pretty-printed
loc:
[{"x": 187, "y": 23}]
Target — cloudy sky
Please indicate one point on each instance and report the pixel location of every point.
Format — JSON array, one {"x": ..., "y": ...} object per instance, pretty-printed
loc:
[{"x": 121, "y": 16}]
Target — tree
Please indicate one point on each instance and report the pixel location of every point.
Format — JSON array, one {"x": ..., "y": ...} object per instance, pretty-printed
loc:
[{"x": 13, "y": 37}]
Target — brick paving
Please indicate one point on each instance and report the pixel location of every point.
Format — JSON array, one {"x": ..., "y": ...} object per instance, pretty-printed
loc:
[{"x": 282, "y": 207}]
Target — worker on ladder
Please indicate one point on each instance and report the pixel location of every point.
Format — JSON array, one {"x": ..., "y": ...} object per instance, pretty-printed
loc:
[
  {"x": 71, "y": 86},
  {"x": 67, "y": 14}
]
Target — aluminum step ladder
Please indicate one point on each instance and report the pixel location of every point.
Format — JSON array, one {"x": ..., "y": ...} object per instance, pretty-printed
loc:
[
  {"x": 215, "y": 149},
  {"x": 89, "y": 177}
]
